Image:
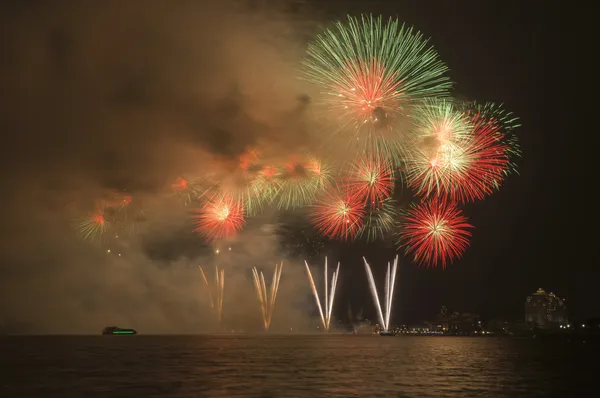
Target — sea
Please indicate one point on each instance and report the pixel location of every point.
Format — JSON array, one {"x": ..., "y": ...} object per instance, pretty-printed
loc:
[{"x": 295, "y": 366}]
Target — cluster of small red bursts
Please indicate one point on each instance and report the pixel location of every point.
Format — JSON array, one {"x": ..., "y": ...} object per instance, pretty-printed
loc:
[{"x": 358, "y": 202}]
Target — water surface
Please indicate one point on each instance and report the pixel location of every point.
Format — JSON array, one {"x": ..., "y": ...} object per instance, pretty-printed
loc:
[{"x": 294, "y": 366}]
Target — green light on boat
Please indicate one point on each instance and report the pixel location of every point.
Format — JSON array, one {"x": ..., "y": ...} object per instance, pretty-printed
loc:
[{"x": 123, "y": 332}]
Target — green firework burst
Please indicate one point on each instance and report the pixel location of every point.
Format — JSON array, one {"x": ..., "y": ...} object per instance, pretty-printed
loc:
[
  {"x": 379, "y": 221},
  {"x": 370, "y": 74}
]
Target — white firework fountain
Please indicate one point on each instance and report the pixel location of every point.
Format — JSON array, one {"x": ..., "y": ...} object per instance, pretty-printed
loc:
[
  {"x": 390, "y": 280},
  {"x": 329, "y": 294}
]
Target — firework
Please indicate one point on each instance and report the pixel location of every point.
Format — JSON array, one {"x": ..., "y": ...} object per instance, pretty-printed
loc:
[
  {"x": 441, "y": 132},
  {"x": 435, "y": 231},
  {"x": 378, "y": 221},
  {"x": 216, "y": 290},
  {"x": 370, "y": 180},
  {"x": 506, "y": 124},
  {"x": 370, "y": 73},
  {"x": 438, "y": 122},
  {"x": 189, "y": 190},
  {"x": 390, "y": 281},
  {"x": 301, "y": 180},
  {"x": 221, "y": 217},
  {"x": 267, "y": 302},
  {"x": 250, "y": 182},
  {"x": 329, "y": 293},
  {"x": 93, "y": 227},
  {"x": 125, "y": 214},
  {"x": 338, "y": 216},
  {"x": 266, "y": 185},
  {"x": 464, "y": 160}
]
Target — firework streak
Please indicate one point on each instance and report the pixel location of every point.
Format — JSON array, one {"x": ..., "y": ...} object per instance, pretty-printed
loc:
[
  {"x": 217, "y": 289},
  {"x": 267, "y": 302},
  {"x": 390, "y": 280},
  {"x": 329, "y": 293}
]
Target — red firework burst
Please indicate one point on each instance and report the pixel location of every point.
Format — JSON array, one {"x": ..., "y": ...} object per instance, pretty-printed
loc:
[
  {"x": 435, "y": 231},
  {"x": 464, "y": 170},
  {"x": 338, "y": 216},
  {"x": 370, "y": 180},
  {"x": 367, "y": 87},
  {"x": 222, "y": 216}
]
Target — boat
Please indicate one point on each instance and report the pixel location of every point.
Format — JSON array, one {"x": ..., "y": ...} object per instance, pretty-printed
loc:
[
  {"x": 387, "y": 333},
  {"x": 114, "y": 330}
]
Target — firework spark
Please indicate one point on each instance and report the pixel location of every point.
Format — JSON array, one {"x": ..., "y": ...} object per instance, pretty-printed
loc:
[
  {"x": 267, "y": 302},
  {"x": 329, "y": 294},
  {"x": 215, "y": 291},
  {"x": 435, "y": 231},
  {"x": 221, "y": 217},
  {"x": 390, "y": 281},
  {"x": 338, "y": 216}
]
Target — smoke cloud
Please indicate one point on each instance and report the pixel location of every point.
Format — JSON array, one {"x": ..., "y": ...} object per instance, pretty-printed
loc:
[{"x": 112, "y": 96}]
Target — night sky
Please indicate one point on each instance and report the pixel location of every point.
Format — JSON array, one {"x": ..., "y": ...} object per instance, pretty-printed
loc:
[{"x": 507, "y": 52}]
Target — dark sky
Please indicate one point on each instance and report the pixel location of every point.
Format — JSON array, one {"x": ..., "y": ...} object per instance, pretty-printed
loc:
[{"x": 71, "y": 73}]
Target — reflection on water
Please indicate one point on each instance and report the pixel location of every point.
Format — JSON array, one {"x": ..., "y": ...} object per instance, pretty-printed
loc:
[{"x": 315, "y": 366}]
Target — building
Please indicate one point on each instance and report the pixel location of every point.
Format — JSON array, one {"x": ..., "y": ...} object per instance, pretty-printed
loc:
[
  {"x": 456, "y": 323},
  {"x": 545, "y": 310}
]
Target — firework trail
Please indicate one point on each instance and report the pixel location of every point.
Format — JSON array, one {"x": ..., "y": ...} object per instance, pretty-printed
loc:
[
  {"x": 329, "y": 293},
  {"x": 217, "y": 290},
  {"x": 267, "y": 302},
  {"x": 435, "y": 231},
  {"x": 390, "y": 280},
  {"x": 370, "y": 73}
]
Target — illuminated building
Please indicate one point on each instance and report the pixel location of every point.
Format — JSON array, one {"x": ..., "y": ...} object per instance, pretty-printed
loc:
[
  {"x": 545, "y": 310},
  {"x": 456, "y": 323}
]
